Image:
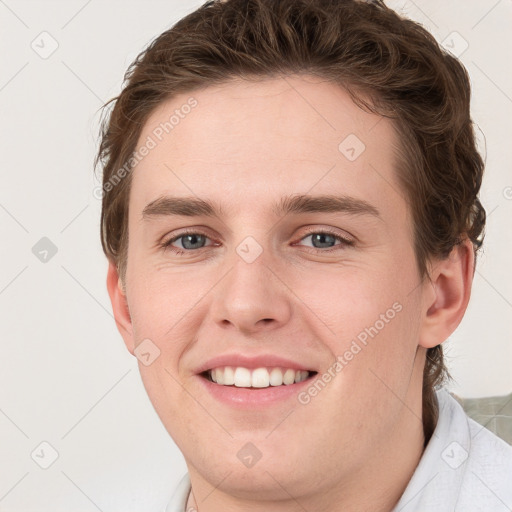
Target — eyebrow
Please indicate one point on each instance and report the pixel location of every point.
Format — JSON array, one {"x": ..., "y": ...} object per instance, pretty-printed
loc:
[{"x": 298, "y": 204}]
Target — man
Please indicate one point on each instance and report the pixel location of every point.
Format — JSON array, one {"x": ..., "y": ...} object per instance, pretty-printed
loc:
[{"x": 291, "y": 217}]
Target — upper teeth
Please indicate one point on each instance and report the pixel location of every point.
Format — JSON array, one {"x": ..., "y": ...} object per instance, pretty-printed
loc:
[{"x": 257, "y": 378}]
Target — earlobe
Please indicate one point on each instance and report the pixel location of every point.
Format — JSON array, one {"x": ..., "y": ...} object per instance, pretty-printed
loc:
[
  {"x": 120, "y": 307},
  {"x": 446, "y": 297}
]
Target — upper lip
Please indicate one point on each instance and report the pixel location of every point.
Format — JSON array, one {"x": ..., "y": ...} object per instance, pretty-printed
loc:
[{"x": 251, "y": 362}]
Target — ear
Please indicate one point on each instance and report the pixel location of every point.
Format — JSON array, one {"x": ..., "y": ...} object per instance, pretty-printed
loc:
[
  {"x": 120, "y": 307},
  {"x": 447, "y": 296}
]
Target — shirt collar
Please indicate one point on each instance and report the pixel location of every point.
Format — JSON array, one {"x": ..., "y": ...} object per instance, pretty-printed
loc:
[
  {"x": 180, "y": 496},
  {"x": 437, "y": 480}
]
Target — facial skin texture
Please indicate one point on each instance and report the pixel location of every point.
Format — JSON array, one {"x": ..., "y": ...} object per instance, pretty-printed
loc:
[{"x": 245, "y": 146}]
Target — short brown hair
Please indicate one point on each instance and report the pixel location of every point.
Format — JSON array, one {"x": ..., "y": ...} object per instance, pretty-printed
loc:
[{"x": 390, "y": 66}]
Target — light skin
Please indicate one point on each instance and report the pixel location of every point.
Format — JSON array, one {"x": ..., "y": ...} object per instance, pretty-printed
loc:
[{"x": 246, "y": 146}]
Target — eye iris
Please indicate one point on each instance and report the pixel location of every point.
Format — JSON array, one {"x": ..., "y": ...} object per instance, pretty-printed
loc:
[
  {"x": 193, "y": 239},
  {"x": 320, "y": 237}
]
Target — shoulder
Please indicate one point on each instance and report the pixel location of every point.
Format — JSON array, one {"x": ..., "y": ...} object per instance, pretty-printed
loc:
[
  {"x": 487, "y": 481},
  {"x": 464, "y": 467},
  {"x": 489, "y": 472}
]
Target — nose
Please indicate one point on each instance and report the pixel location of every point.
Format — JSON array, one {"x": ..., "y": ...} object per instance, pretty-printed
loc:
[{"x": 252, "y": 297}]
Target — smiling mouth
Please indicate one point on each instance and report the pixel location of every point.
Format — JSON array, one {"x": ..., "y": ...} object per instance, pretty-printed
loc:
[{"x": 257, "y": 378}]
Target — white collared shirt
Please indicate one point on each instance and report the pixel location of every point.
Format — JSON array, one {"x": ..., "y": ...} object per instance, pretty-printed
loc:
[{"x": 464, "y": 468}]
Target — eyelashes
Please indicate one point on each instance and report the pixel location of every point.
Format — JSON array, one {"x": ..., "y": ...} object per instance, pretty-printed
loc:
[
  {"x": 345, "y": 242},
  {"x": 195, "y": 234}
]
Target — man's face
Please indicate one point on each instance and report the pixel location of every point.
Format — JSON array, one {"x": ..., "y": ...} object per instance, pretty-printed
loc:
[{"x": 254, "y": 282}]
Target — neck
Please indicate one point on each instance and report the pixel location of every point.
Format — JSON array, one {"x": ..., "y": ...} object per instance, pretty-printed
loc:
[{"x": 375, "y": 486}]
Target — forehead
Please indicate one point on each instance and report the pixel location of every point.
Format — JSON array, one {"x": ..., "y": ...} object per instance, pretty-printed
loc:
[{"x": 242, "y": 140}]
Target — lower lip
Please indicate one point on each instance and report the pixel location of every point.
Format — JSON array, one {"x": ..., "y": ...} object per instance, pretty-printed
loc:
[{"x": 253, "y": 397}]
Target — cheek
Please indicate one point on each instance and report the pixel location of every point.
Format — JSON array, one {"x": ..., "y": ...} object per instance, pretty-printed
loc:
[
  {"x": 373, "y": 321},
  {"x": 353, "y": 298},
  {"x": 161, "y": 302},
  {"x": 379, "y": 355}
]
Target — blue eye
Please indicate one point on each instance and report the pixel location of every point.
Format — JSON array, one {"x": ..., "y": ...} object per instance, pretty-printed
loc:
[
  {"x": 192, "y": 241},
  {"x": 189, "y": 242},
  {"x": 327, "y": 237}
]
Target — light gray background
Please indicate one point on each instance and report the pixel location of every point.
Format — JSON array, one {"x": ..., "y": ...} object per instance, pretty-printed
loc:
[{"x": 65, "y": 375}]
